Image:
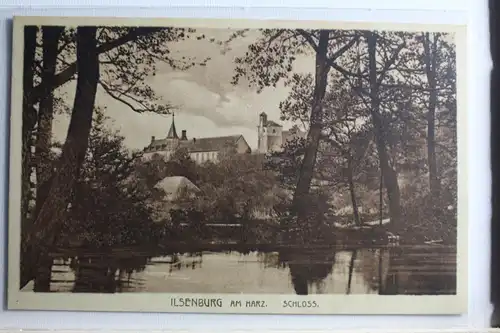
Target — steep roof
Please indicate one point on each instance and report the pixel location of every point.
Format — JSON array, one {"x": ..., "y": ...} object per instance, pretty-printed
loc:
[
  {"x": 196, "y": 145},
  {"x": 172, "y": 133},
  {"x": 163, "y": 144},
  {"x": 209, "y": 144},
  {"x": 272, "y": 123}
]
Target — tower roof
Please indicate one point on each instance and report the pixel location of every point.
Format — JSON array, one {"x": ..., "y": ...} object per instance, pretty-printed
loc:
[
  {"x": 172, "y": 133},
  {"x": 273, "y": 124}
]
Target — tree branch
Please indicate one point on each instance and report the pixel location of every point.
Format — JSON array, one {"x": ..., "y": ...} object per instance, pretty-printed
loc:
[
  {"x": 389, "y": 63},
  {"x": 343, "y": 71},
  {"x": 342, "y": 50},
  {"x": 118, "y": 96},
  {"x": 67, "y": 74},
  {"x": 308, "y": 38}
]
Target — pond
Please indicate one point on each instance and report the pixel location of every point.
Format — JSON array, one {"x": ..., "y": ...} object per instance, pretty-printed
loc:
[{"x": 416, "y": 270}]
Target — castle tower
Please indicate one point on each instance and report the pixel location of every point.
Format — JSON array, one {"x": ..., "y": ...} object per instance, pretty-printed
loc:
[
  {"x": 274, "y": 136},
  {"x": 270, "y": 135},
  {"x": 262, "y": 133}
]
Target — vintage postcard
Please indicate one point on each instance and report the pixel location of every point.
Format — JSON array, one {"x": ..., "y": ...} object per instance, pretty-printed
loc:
[{"x": 237, "y": 166}]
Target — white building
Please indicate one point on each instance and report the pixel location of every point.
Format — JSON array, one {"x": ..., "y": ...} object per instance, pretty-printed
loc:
[
  {"x": 199, "y": 149},
  {"x": 271, "y": 137}
]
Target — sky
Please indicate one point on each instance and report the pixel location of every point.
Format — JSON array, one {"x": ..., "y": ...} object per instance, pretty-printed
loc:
[{"x": 207, "y": 104}]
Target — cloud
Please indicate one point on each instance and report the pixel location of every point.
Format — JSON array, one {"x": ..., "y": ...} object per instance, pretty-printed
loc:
[
  {"x": 217, "y": 74},
  {"x": 207, "y": 103},
  {"x": 238, "y": 107}
]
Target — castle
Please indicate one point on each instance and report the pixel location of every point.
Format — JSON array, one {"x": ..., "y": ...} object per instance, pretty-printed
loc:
[{"x": 271, "y": 137}]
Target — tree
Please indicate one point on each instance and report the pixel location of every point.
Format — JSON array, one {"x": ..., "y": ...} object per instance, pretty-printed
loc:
[
  {"x": 127, "y": 57},
  {"x": 126, "y": 67},
  {"x": 50, "y": 40},
  {"x": 286, "y": 162},
  {"x": 388, "y": 173},
  {"x": 124, "y": 70},
  {"x": 386, "y": 70},
  {"x": 40, "y": 81},
  {"x": 270, "y": 59},
  {"x": 156, "y": 168},
  {"x": 181, "y": 164},
  {"x": 346, "y": 132},
  {"x": 430, "y": 60},
  {"x": 149, "y": 44},
  {"x": 236, "y": 189},
  {"x": 43, "y": 232},
  {"x": 109, "y": 207},
  {"x": 239, "y": 186},
  {"x": 432, "y": 78},
  {"x": 29, "y": 119},
  {"x": 369, "y": 74}
]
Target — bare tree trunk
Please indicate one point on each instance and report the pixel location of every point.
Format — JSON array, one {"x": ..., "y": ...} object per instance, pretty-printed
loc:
[
  {"x": 53, "y": 212},
  {"x": 389, "y": 175},
  {"x": 29, "y": 120},
  {"x": 352, "y": 191},
  {"x": 430, "y": 71},
  {"x": 51, "y": 37},
  {"x": 300, "y": 204}
]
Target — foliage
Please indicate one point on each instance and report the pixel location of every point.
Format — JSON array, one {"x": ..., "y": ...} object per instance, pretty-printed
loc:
[
  {"x": 127, "y": 66},
  {"x": 108, "y": 208},
  {"x": 158, "y": 167},
  {"x": 118, "y": 58},
  {"x": 347, "y": 149},
  {"x": 235, "y": 189},
  {"x": 128, "y": 56},
  {"x": 271, "y": 58}
]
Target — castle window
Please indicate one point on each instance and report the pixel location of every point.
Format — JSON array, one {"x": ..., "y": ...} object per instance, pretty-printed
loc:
[{"x": 274, "y": 130}]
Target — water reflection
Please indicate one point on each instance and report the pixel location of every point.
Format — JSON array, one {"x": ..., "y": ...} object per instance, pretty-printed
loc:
[
  {"x": 354, "y": 271},
  {"x": 308, "y": 269}
]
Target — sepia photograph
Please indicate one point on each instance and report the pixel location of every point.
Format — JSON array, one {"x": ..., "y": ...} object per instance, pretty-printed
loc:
[{"x": 232, "y": 166}]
